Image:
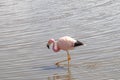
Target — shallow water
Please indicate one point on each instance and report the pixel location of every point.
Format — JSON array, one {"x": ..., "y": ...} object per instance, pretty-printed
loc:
[{"x": 26, "y": 25}]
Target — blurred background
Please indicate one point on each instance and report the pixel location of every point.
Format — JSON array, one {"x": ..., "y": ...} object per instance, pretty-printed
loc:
[{"x": 27, "y": 25}]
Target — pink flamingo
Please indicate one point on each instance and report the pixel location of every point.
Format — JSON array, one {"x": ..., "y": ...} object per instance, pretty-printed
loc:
[{"x": 65, "y": 43}]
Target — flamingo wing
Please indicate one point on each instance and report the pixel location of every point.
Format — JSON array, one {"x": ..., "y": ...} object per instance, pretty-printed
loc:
[{"x": 66, "y": 43}]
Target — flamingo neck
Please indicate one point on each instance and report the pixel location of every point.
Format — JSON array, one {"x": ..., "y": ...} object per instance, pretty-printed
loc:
[{"x": 55, "y": 46}]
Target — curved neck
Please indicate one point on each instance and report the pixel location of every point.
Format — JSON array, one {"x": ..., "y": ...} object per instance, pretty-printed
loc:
[{"x": 55, "y": 47}]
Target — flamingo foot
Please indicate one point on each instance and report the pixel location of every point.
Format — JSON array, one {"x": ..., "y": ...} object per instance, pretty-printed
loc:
[{"x": 57, "y": 64}]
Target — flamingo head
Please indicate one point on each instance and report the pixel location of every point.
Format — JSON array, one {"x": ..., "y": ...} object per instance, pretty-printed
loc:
[{"x": 50, "y": 42}]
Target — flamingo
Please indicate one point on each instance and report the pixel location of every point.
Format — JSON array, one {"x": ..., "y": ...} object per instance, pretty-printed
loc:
[{"x": 65, "y": 43}]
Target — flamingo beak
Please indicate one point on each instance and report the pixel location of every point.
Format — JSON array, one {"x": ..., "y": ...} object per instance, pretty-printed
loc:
[{"x": 48, "y": 46}]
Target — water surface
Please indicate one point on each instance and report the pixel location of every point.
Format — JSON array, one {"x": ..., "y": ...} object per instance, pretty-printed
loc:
[{"x": 26, "y": 25}]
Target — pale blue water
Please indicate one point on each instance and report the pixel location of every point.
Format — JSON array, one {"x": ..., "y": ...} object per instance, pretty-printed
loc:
[{"x": 26, "y": 25}]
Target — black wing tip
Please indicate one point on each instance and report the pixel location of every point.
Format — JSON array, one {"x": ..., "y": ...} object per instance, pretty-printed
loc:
[{"x": 78, "y": 43}]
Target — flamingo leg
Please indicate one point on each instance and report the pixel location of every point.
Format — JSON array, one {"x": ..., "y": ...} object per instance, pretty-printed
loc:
[
  {"x": 68, "y": 59},
  {"x": 58, "y": 63}
]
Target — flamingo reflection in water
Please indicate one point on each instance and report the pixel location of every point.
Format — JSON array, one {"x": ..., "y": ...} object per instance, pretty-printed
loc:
[{"x": 66, "y": 76}]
